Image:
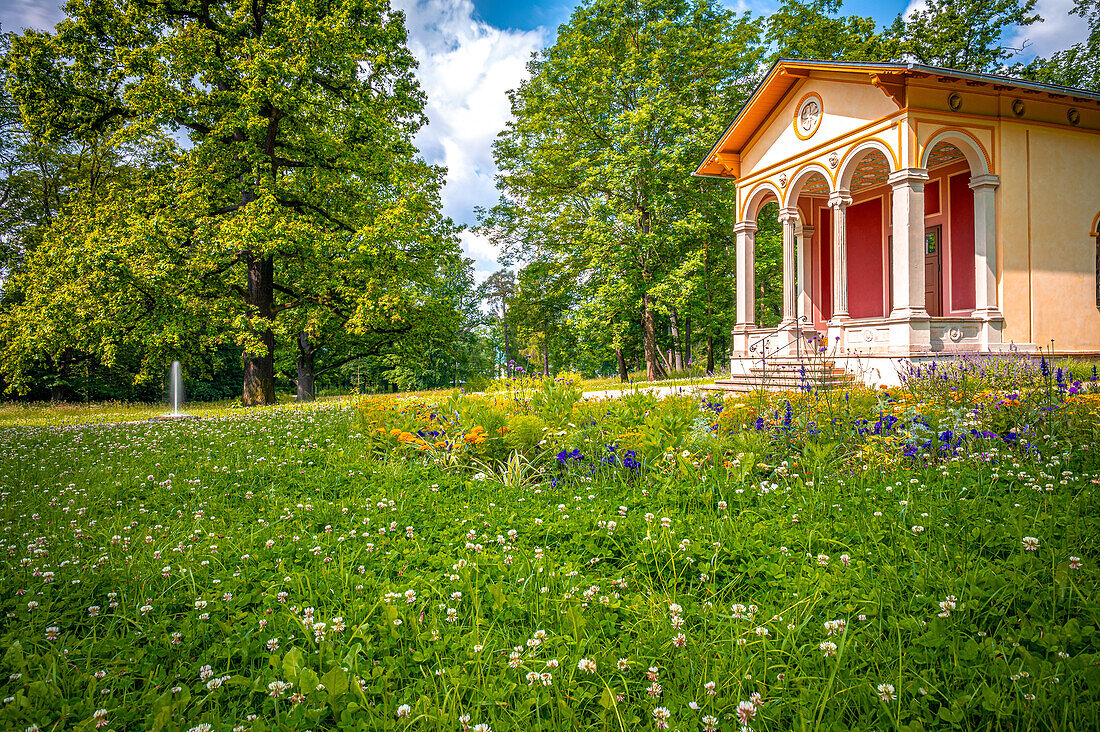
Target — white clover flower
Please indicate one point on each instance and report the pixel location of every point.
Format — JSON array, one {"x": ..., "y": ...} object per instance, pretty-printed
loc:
[{"x": 886, "y": 692}]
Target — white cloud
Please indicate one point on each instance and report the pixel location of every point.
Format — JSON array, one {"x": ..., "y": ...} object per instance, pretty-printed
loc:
[
  {"x": 482, "y": 251},
  {"x": 15, "y": 15},
  {"x": 466, "y": 70},
  {"x": 913, "y": 6},
  {"x": 1058, "y": 31}
]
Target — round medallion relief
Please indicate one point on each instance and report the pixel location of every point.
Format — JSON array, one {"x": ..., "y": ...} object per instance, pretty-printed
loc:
[{"x": 807, "y": 116}]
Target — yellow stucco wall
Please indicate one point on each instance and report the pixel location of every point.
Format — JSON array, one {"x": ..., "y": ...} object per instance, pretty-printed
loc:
[
  {"x": 846, "y": 107},
  {"x": 1064, "y": 193},
  {"x": 1047, "y": 202},
  {"x": 1013, "y": 246}
]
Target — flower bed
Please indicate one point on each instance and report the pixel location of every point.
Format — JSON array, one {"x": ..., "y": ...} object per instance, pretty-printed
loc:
[{"x": 523, "y": 560}]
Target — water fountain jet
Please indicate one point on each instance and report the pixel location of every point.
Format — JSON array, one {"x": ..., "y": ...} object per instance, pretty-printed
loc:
[{"x": 175, "y": 389}]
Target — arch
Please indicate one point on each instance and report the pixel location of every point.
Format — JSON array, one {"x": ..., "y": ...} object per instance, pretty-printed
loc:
[
  {"x": 801, "y": 176},
  {"x": 1095, "y": 226},
  {"x": 756, "y": 198},
  {"x": 975, "y": 153},
  {"x": 856, "y": 154}
]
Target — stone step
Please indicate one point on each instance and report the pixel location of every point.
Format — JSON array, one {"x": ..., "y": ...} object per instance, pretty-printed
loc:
[
  {"x": 788, "y": 374},
  {"x": 773, "y": 382},
  {"x": 797, "y": 371}
]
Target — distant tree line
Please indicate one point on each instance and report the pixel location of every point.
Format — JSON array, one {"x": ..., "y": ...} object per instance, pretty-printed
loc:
[{"x": 239, "y": 190}]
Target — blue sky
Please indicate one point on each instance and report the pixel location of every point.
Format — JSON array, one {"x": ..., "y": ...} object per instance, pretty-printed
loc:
[
  {"x": 528, "y": 16},
  {"x": 471, "y": 52}
]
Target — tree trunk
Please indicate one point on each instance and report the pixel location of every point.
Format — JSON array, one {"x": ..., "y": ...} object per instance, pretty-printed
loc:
[
  {"x": 624, "y": 375},
  {"x": 653, "y": 370},
  {"x": 259, "y": 368},
  {"x": 306, "y": 362},
  {"x": 507, "y": 345},
  {"x": 546, "y": 360},
  {"x": 677, "y": 344},
  {"x": 687, "y": 341},
  {"x": 710, "y": 353}
]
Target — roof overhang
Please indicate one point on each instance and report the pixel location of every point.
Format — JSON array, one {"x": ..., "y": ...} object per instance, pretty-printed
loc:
[{"x": 724, "y": 159}]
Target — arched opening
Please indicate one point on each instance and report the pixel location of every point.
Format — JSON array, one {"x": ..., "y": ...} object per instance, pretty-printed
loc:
[
  {"x": 868, "y": 236},
  {"x": 810, "y": 194},
  {"x": 1096, "y": 232},
  {"x": 769, "y": 265},
  {"x": 948, "y": 232}
]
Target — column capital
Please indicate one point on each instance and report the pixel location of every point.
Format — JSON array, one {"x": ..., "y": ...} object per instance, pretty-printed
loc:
[
  {"x": 788, "y": 213},
  {"x": 989, "y": 180},
  {"x": 914, "y": 177},
  {"x": 806, "y": 231},
  {"x": 840, "y": 199},
  {"x": 744, "y": 227}
]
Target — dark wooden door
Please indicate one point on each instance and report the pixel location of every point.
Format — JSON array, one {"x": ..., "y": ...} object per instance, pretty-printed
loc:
[{"x": 933, "y": 271}]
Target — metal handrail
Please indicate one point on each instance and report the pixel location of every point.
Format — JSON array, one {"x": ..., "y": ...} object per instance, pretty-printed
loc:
[{"x": 774, "y": 332}]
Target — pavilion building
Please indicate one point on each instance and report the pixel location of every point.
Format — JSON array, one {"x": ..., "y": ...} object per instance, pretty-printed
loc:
[{"x": 925, "y": 212}]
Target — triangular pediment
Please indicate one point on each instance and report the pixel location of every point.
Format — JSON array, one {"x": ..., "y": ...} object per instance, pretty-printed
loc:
[{"x": 851, "y": 95}]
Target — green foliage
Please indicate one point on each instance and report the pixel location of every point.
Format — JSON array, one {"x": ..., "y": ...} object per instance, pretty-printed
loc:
[
  {"x": 630, "y": 96},
  {"x": 555, "y": 400},
  {"x": 298, "y": 205},
  {"x": 815, "y": 30},
  {"x": 963, "y": 34},
  {"x": 1078, "y": 65},
  {"x": 524, "y": 432}
]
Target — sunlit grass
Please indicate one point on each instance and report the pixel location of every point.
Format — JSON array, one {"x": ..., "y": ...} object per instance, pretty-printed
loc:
[{"x": 543, "y": 562}]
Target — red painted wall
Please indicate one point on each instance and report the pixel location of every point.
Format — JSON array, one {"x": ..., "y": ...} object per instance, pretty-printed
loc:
[
  {"x": 825, "y": 269},
  {"x": 865, "y": 266},
  {"x": 932, "y": 198},
  {"x": 961, "y": 246}
]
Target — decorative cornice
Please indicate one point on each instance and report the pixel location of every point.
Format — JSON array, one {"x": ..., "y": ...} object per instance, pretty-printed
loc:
[
  {"x": 840, "y": 199},
  {"x": 989, "y": 180},
  {"x": 790, "y": 213},
  {"x": 908, "y": 177}
]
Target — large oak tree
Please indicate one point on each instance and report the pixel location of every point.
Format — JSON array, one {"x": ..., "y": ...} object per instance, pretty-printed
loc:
[{"x": 290, "y": 190}]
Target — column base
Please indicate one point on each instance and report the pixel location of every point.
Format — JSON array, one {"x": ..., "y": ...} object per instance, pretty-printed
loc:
[
  {"x": 992, "y": 323},
  {"x": 834, "y": 335},
  {"x": 900, "y": 313},
  {"x": 742, "y": 337}
]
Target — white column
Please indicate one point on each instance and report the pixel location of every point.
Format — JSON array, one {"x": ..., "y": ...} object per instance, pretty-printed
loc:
[
  {"x": 907, "y": 270},
  {"x": 746, "y": 282},
  {"x": 985, "y": 245},
  {"x": 839, "y": 202},
  {"x": 788, "y": 218},
  {"x": 805, "y": 265}
]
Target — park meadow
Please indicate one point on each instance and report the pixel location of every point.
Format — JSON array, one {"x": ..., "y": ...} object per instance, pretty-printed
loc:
[{"x": 922, "y": 557}]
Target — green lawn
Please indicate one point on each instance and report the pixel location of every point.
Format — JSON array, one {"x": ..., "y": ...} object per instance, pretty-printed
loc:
[{"x": 332, "y": 566}]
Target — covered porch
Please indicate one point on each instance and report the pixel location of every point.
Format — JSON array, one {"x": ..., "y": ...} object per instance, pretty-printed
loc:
[{"x": 878, "y": 260}]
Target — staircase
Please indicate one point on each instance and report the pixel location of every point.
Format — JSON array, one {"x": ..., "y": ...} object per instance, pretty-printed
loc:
[{"x": 785, "y": 374}]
